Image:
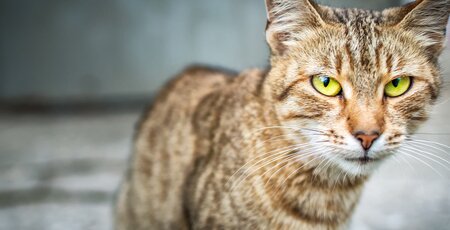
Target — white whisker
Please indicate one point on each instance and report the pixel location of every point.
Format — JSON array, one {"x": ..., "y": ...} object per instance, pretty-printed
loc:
[
  {"x": 420, "y": 160},
  {"x": 428, "y": 153},
  {"x": 409, "y": 150},
  {"x": 268, "y": 155},
  {"x": 295, "y": 171},
  {"x": 427, "y": 141},
  {"x": 246, "y": 173}
]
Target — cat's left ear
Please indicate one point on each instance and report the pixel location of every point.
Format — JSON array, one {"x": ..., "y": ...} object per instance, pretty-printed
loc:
[{"x": 427, "y": 19}]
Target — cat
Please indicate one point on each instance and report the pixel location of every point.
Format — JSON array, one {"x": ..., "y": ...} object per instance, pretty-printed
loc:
[{"x": 289, "y": 147}]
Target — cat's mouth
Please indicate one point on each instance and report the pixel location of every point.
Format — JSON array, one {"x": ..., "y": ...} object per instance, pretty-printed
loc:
[{"x": 362, "y": 160}]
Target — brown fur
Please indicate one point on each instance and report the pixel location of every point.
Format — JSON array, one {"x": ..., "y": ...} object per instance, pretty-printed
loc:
[{"x": 264, "y": 149}]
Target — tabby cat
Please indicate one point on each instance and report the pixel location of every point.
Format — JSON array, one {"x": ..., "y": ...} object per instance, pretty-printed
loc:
[{"x": 290, "y": 147}]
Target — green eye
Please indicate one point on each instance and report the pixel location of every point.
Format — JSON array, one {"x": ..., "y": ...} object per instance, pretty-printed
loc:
[
  {"x": 326, "y": 85},
  {"x": 397, "y": 87}
]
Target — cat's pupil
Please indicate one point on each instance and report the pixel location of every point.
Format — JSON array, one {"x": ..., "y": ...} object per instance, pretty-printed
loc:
[
  {"x": 325, "y": 80},
  {"x": 395, "y": 82}
]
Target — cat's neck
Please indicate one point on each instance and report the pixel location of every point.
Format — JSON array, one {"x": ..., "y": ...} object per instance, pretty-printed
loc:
[{"x": 312, "y": 195}]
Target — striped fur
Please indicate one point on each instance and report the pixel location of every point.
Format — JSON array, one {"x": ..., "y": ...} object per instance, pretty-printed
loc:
[{"x": 263, "y": 149}]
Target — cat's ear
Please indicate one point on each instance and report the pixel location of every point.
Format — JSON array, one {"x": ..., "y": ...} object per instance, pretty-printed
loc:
[
  {"x": 286, "y": 18},
  {"x": 427, "y": 19}
]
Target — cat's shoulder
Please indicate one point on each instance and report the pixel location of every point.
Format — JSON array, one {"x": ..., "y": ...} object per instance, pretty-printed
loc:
[
  {"x": 203, "y": 74},
  {"x": 202, "y": 77},
  {"x": 199, "y": 70}
]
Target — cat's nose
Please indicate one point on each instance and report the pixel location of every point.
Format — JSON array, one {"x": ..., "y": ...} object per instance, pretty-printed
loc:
[{"x": 366, "y": 139}]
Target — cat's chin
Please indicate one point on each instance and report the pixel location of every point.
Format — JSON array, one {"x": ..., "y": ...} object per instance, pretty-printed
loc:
[{"x": 358, "y": 166}]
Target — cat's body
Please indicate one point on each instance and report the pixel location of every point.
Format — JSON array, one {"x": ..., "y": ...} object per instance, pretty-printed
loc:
[
  {"x": 263, "y": 149},
  {"x": 195, "y": 137},
  {"x": 193, "y": 140}
]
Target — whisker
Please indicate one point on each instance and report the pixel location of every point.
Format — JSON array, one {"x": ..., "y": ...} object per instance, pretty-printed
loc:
[
  {"x": 409, "y": 139},
  {"x": 287, "y": 127},
  {"x": 420, "y": 160},
  {"x": 428, "y": 153},
  {"x": 325, "y": 159},
  {"x": 293, "y": 162},
  {"x": 335, "y": 152},
  {"x": 338, "y": 179},
  {"x": 433, "y": 134},
  {"x": 403, "y": 159},
  {"x": 396, "y": 158},
  {"x": 295, "y": 171},
  {"x": 278, "y": 138},
  {"x": 247, "y": 174},
  {"x": 313, "y": 130},
  {"x": 283, "y": 167},
  {"x": 422, "y": 145},
  {"x": 434, "y": 160},
  {"x": 275, "y": 139},
  {"x": 271, "y": 154},
  {"x": 276, "y": 127},
  {"x": 345, "y": 175},
  {"x": 268, "y": 155}
]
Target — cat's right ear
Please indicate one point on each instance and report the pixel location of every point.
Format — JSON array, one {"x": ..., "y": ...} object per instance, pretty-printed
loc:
[
  {"x": 426, "y": 19},
  {"x": 287, "y": 18}
]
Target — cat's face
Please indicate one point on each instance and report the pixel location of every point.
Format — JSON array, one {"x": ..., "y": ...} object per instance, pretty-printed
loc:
[{"x": 354, "y": 84}]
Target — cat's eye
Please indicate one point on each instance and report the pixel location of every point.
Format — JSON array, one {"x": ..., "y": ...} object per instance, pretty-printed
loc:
[
  {"x": 397, "y": 87},
  {"x": 326, "y": 85}
]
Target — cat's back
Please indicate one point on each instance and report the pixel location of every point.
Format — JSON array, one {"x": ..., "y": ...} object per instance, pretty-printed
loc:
[
  {"x": 164, "y": 151},
  {"x": 190, "y": 86}
]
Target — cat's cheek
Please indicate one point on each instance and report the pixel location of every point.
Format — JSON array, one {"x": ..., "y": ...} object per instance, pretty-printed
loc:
[
  {"x": 385, "y": 145},
  {"x": 394, "y": 117},
  {"x": 409, "y": 118}
]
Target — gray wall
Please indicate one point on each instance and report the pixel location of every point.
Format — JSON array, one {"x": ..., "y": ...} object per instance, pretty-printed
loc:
[
  {"x": 93, "y": 49},
  {"x": 364, "y": 4}
]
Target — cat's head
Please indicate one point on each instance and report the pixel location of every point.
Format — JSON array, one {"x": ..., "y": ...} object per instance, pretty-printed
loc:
[{"x": 354, "y": 83}]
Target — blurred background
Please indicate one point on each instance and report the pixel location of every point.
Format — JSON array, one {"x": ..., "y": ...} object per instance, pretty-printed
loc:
[{"x": 75, "y": 75}]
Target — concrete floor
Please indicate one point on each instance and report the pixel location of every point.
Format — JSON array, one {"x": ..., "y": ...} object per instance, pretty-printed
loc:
[{"x": 60, "y": 172}]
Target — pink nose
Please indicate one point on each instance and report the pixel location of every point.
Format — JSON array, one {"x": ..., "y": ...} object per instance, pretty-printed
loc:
[{"x": 366, "y": 139}]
